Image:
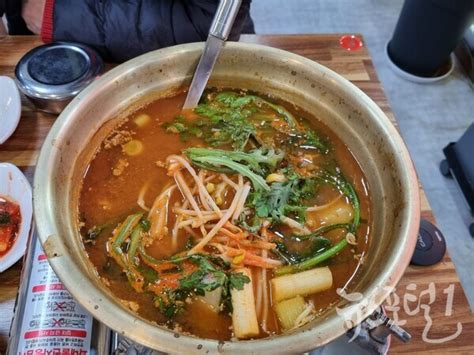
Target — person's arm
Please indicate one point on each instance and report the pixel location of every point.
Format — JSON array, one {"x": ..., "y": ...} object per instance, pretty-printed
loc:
[
  {"x": 32, "y": 12},
  {"x": 120, "y": 30},
  {"x": 3, "y": 31}
]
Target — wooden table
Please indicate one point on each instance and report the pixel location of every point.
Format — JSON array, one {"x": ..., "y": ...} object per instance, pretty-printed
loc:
[{"x": 424, "y": 293}]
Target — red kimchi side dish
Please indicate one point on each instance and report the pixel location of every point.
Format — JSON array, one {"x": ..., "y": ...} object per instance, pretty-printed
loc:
[
  {"x": 238, "y": 219},
  {"x": 10, "y": 220}
]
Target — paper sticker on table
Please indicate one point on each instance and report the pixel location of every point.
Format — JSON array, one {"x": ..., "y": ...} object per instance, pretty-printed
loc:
[{"x": 54, "y": 323}]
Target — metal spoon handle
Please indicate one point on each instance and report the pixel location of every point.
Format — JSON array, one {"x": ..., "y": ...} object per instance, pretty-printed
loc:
[
  {"x": 224, "y": 18},
  {"x": 218, "y": 33}
]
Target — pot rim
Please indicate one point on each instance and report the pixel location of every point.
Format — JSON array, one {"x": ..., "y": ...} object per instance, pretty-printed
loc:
[{"x": 124, "y": 322}]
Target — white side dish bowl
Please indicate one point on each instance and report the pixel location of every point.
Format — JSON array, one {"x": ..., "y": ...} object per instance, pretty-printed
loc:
[
  {"x": 10, "y": 107},
  {"x": 15, "y": 187}
]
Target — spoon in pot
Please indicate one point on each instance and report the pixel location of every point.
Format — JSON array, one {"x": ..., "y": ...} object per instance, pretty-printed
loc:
[{"x": 218, "y": 33}]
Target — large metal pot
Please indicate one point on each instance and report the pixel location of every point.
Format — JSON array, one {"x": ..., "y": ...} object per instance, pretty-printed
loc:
[{"x": 343, "y": 107}]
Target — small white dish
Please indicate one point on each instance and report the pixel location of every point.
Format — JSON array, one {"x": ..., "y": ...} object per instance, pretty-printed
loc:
[
  {"x": 10, "y": 107},
  {"x": 15, "y": 187}
]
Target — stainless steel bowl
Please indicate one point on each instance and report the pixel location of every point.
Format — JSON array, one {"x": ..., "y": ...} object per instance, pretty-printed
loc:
[
  {"x": 51, "y": 75},
  {"x": 343, "y": 107}
]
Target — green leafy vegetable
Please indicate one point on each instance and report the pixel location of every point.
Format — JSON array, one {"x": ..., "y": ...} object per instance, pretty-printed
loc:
[
  {"x": 234, "y": 100},
  {"x": 283, "y": 198},
  {"x": 217, "y": 163},
  {"x": 171, "y": 303},
  {"x": 252, "y": 226},
  {"x": 211, "y": 274},
  {"x": 219, "y": 125},
  {"x": 272, "y": 203},
  {"x": 237, "y": 280},
  {"x": 206, "y": 278},
  {"x": 177, "y": 126},
  {"x": 230, "y": 118},
  {"x": 258, "y": 160}
]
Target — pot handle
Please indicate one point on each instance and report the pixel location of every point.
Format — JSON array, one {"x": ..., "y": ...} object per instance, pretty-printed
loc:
[{"x": 373, "y": 333}]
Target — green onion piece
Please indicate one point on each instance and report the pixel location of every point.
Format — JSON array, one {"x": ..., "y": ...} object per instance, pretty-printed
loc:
[
  {"x": 310, "y": 263},
  {"x": 148, "y": 258},
  {"x": 115, "y": 250},
  {"x": 135, "y": 239},
  {"x": 124, "y": 231}
]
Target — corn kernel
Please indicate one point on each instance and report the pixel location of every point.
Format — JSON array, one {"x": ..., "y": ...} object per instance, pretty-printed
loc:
[
  {"x": 210, "y": 187},
  {"x": 275, "y": 177},
  {"x": 238, "y": 259}
]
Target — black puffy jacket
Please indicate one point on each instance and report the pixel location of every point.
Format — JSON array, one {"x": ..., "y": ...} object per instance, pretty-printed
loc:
[{"x": 122, "y": 29}]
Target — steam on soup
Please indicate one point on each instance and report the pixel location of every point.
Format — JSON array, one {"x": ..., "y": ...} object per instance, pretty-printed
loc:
[{"x": 239, "y": 219}]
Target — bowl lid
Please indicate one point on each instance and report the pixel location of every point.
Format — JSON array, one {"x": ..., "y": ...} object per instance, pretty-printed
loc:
[{"x": 58, "y": 70}]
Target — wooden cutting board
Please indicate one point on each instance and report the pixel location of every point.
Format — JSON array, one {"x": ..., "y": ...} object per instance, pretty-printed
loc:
[{"x": 429, "y": 301}]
